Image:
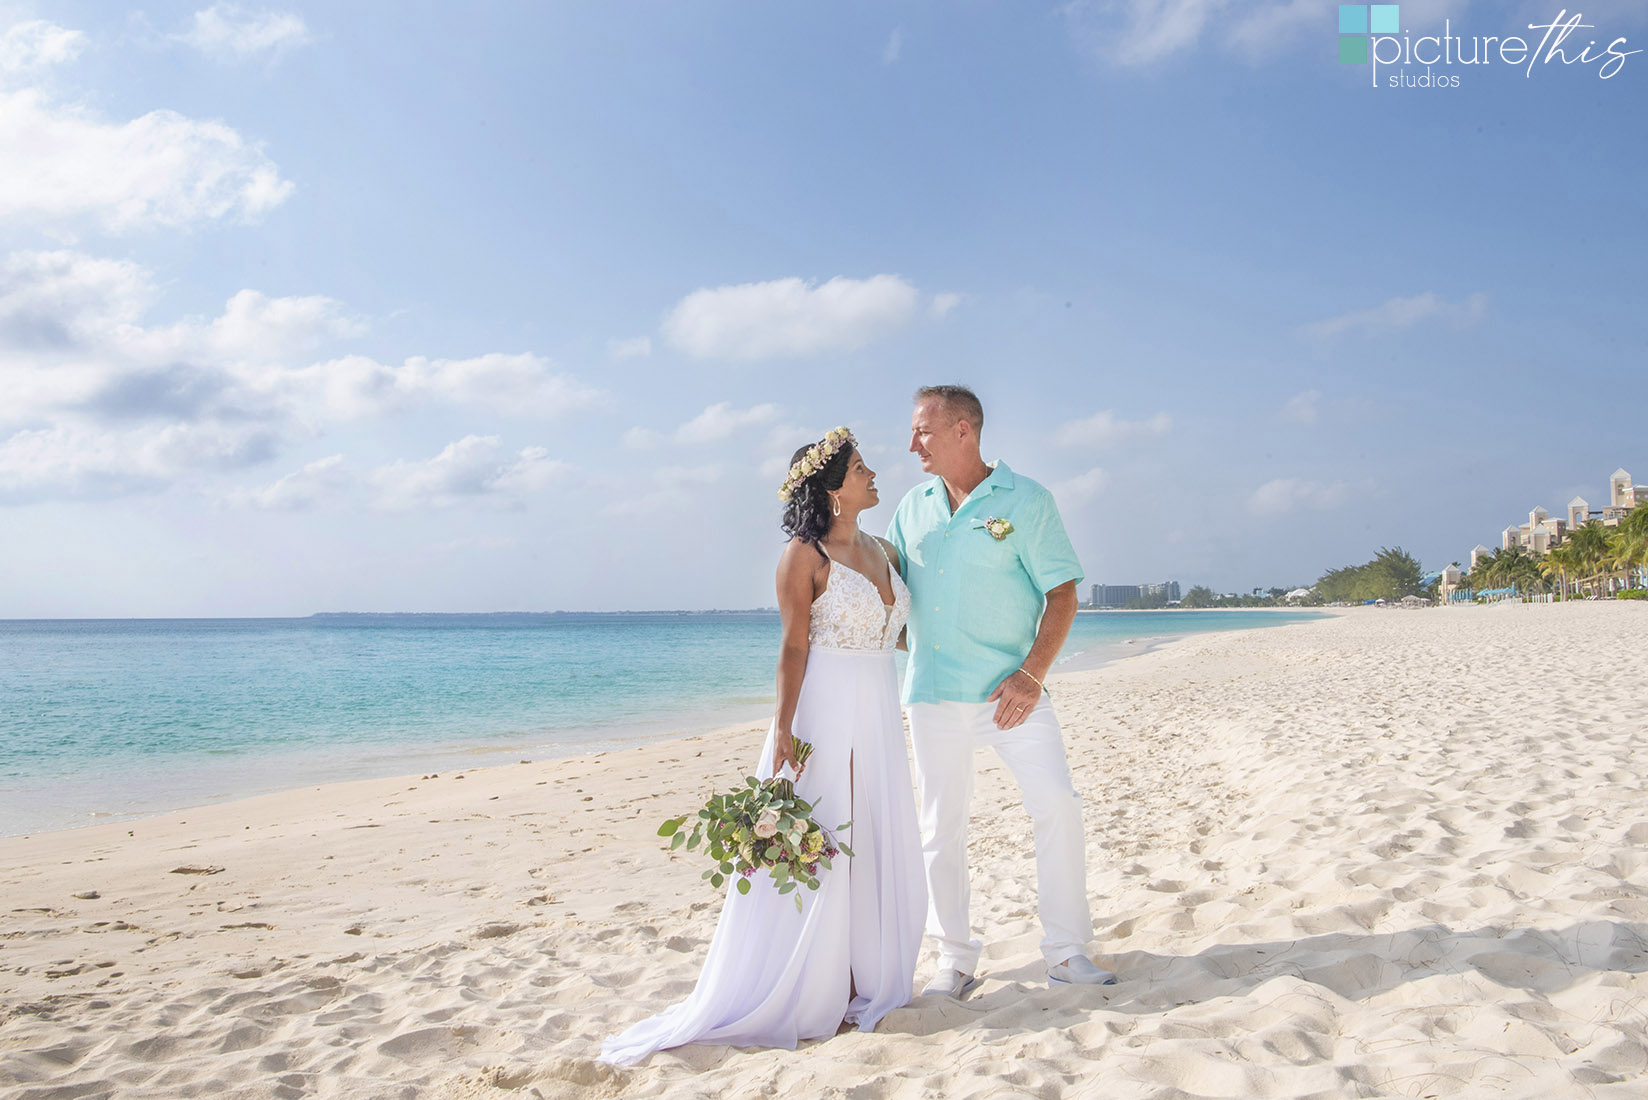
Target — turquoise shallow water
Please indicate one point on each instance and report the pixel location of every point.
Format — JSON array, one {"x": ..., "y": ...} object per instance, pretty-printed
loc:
[{"x": 101, "y": 719}]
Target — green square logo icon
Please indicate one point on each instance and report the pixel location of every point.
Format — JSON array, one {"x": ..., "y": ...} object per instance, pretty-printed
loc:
[{"x": 1353, "y": 50}]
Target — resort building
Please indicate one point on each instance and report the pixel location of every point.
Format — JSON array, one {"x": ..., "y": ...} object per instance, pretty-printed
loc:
[
  {"x": 1120, "y": 595},
  {"x": 1541, "y": 532},
  {"x": 1448, "y": 583}
]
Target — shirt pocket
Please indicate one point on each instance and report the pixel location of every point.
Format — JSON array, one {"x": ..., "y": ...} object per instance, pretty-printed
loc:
[{"x": 982, "y": 550}]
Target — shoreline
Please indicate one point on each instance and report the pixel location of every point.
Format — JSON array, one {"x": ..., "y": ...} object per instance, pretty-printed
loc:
[
  {"x": 1329, "y": 859},
  {"x": 451, "y": 756},
  {"x": 223, "y": 780}
]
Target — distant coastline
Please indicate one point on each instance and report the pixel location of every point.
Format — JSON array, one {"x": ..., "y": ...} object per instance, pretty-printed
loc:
[{"x": 531, "y": 614}]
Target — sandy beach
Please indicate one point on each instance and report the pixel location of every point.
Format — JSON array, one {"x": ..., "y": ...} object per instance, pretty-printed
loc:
[{"x": 1389, "y": 853}]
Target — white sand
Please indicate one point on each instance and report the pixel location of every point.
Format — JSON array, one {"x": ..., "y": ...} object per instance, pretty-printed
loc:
[{"x": 1393, "y": 853}]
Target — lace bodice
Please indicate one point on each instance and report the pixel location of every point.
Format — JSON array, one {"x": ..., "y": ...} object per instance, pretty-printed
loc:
[{"x": 849, "y": 613}]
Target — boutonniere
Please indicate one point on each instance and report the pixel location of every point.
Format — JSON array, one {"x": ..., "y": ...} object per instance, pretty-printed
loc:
[{"x": 998, "y": 528}]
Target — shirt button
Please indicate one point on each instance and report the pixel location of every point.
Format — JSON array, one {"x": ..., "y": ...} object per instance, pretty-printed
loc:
[
  {"x": 941, "y": 570},
  {"x": 935, "y": 607},
  {"x": 935, "y": 645}
]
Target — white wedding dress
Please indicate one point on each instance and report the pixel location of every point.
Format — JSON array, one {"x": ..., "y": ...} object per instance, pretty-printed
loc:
[{"x": 773, "y": 976}]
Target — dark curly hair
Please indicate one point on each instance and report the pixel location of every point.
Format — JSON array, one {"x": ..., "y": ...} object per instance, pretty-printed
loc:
[{"x": 807, "y": 514}]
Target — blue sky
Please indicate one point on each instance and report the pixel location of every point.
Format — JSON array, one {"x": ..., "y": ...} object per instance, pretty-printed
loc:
[{"x": 523, "y": 306}]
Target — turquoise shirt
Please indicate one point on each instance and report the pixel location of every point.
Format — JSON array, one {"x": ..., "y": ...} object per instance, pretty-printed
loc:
[{"x": 976, "y": 601}]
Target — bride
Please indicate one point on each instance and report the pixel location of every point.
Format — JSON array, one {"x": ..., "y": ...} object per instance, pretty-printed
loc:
[{"x": 773, "y": 976}]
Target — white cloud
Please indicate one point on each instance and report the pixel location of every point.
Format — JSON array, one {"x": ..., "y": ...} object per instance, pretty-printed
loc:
[
  {"x": 62, "y": 299},
  {"x": 720, "y": 420},
  {"x": 1082, "y": 487},
  {"x": 944, "y": 303},
  {"x": 69, "y": 302},
  {"x": 1399, "y": 314},
  {"x": 358, "y": 386},
  {"x": 682, "y": 477},
  {"x": 634, "y": 347},
  {"x": 1105, "y": 429},
  {"x": 254, "y": 326},
  {"x": 71, "y": 461},
  {"x": 227, "y": 32},
  {"x": 894, "y": 46},
  {"x": 1303, "y": 407},
  {"x": 1139, "y": 32},
  {"x": 64, "y": 166},
  {"x": 1288, "y": 494},
  {"x": 473, "y": 468},
  {"x": 98, "y": 404},
  {"x": 71, "y": 342},
  {"x": 37, "y": 44},
  {"x": 318, "y": 482},
  {"x": 715, "y": 423},
  {"x": 1263, "y": 29},
  {"x": 788, "y": 317},
  {"x": 671, "y": 488}
]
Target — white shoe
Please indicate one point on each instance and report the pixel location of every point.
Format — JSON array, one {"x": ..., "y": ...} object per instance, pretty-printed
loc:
[
  {"x": 1079, "y": 970},
  {"x": 951, "y": 983}
]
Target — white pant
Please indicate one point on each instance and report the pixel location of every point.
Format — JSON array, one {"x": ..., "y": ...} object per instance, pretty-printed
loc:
[{"x": 944, "y": 736}]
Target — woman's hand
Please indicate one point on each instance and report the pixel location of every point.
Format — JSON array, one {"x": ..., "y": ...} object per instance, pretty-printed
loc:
[{"x": 784, "y": 753}]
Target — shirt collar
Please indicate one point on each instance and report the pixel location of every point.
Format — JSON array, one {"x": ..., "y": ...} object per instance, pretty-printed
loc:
[{"x": 1000, "y": 477}]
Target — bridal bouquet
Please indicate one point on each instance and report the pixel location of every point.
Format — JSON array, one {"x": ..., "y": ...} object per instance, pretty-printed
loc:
[{"x": 760, "y": 826}]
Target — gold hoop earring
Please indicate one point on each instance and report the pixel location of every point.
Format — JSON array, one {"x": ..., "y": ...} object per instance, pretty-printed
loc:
[{"x": 836, "y": 509}]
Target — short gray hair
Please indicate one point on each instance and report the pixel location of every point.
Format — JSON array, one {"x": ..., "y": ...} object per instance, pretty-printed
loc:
[{"x": 959, "y": 401}]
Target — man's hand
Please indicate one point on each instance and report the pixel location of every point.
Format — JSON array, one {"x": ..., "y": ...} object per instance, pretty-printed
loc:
[{"x": 1015, "y": 697}]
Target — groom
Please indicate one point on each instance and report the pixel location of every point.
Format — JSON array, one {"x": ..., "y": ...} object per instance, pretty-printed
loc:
[{"x": 992, "y": 579}]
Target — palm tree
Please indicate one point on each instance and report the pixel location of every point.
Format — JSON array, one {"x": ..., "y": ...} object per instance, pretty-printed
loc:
[
  {"x": 1559, "y": 563},
  {"x": 1588, "y": 543},
  {"x": 1632, "y": 551},
  {"x": 1506, "y": 568}
]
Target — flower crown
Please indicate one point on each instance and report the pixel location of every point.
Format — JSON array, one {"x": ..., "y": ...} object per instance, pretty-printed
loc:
[{"x": 817, "y": 456}]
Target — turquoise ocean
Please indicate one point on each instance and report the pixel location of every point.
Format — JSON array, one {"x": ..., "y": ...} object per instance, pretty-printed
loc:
[{"x": 108, "y": 719}]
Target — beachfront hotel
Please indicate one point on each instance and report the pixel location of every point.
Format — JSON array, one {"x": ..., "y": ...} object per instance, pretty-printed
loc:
[
  {"x": 1541, "y": 533},
  {"x": 1120, "y": 595}
]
